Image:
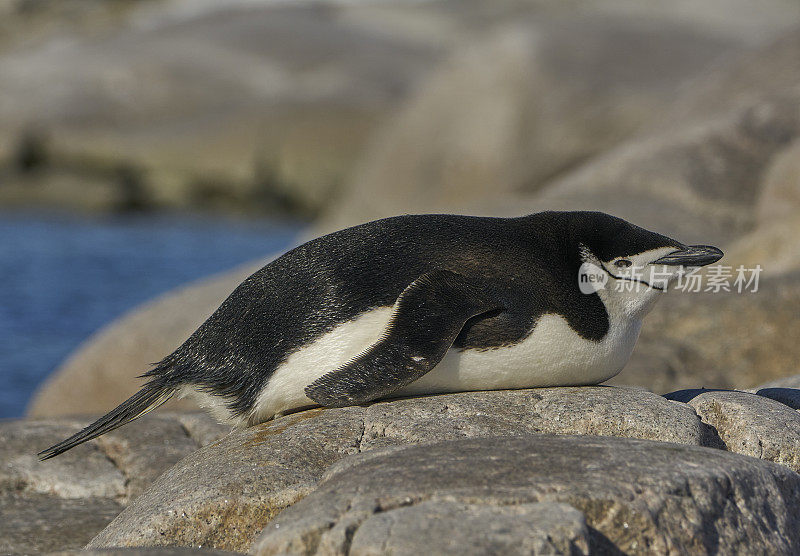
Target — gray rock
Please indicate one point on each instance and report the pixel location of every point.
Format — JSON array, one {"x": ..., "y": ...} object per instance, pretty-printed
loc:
[
  {"x": 55, "y": 505},
  {"x": 446, "y": 527},
  {"x": 773, "y": 245},
  {"x": 600, "y": 410},
  {"x": 780, "y": 195},
  {"x": 155, "y": 551},
  {"x": 142, "y": 451},
  {"x": 225, "y": 493},
  {"x": 687, "y": 395},
  {"x": 258, "y": 103},
  {"x": 700, "y": 175},
  {"x": 34, "y": 523},
  {"x": 774, "y": 240},
  {"x": 635, "y": 495},
  {"x": 749, "y": 424},
  {"x": 25, "y": 23},
  {"x": 117, "y": 465},
  {"x": 739, "y": 81},
  {"x": 63, "y": 502},
  {"x": 84, "y": 472},
  {"x": 202, "y": 428}
]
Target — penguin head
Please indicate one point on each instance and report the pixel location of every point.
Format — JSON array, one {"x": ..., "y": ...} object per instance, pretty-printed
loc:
[{"x": 627, "y": 266}]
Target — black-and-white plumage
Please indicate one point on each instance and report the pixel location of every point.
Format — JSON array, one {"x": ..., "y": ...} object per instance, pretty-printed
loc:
[{"x": 416, "y": 304}]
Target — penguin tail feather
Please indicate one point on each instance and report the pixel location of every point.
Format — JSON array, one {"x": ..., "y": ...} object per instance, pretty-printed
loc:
[{"x": 142, "y": 402}]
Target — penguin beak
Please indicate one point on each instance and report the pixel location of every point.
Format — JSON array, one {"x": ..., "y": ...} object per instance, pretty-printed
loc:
[{"x": 693, "y": 255}]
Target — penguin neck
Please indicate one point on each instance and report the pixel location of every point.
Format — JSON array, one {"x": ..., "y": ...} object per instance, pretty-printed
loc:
[{"x": 628, "y": 305}]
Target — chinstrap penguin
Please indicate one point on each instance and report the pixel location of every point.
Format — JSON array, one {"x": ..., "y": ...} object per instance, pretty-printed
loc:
[{"x": 419, "y": 304}]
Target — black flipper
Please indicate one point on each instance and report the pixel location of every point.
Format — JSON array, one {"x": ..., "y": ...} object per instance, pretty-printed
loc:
[
  {"x": 427, "y": 318},
  {"x": 142, "y": 402}
]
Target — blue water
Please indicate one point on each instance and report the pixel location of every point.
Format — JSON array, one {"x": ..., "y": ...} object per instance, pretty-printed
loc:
[{"x": 62, "y": 278}]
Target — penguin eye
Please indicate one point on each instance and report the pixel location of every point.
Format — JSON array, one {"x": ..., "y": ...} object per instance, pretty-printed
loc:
[{"x": 623, "y": 263}]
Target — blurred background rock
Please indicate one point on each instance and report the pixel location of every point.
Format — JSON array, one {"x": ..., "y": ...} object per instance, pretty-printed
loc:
[{"x": 683, "y": 117}]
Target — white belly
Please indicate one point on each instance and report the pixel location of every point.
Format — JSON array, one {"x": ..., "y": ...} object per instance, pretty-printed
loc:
[{"x": 553, "y": 354}]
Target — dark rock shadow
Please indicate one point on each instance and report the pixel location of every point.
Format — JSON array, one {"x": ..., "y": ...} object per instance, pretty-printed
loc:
[
  {"x": 689, "y": 394},
  {"x": 599, "y": 544},
  {"x": 787, "y": 396}
]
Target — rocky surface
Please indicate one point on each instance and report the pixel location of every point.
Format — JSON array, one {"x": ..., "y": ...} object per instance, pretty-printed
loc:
[
  {"x": 179, "y": 479},
  {"x": 539, "y": 528},
  {"x": 636, "y": 496},
  {"x": 787, "y": 396},
  {"x": 787, "y": 382},
  {"x": 251, "y": 476},
  {"x": 699, "y": 181},
  {"x": 774, "y": 237},
  {"x": 64, "y": 502},
  {"x": 225, "y": 502},
  {"x": 748, "y": 423},
  {"x": 152, "y": 551},
  {"x": 35, "y": 523}
]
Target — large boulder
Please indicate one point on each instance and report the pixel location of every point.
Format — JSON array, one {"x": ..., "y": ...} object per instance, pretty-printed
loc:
[
  {"x": 636, "y": 496},
  {"x": 224, "y": 494}
]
